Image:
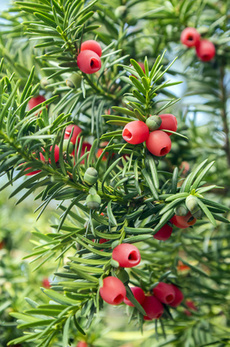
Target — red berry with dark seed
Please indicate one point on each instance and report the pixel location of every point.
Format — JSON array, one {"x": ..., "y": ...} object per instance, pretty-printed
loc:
[
  {"x": 88, "y": 62},
  {"x": 135, "y": 132},
  {"x": 158, "y": 143},
  {"x": 126, "y": 255},
  {"x": 183, "y": 222},
  {"x": 138, "y": 294},
  {"x": 164, "y": 233},
  {"x": 91, "y": 45},
  {"x": 113, "y": 290},
  {"x": 190, "y": 37},
  {"x": 169, "y": 122},
  {"x": 164, "y": 292},
  {"x": 205, "y": 50},
  {"x": 153, "y": 307}
]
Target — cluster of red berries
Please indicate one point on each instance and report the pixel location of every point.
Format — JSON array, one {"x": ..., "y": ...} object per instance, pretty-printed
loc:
[
  {"x": 113, "y": 292},
  {"x": 75, "y": 130},
  {"x": 157, "y": 141},
  {"x": 205, "y": 49},
  {"x": 88, "y": 60}
]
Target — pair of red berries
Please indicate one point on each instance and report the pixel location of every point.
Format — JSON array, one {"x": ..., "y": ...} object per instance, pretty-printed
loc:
[
  {"x": 158, "y": 142},
  {"x": 181, "y": 222},
  {"x": 88, "y": 60},
  {"x": 163, "y": 293},
  {"x": 113, "y": 290},
  {"x": 205, "y": 49}
]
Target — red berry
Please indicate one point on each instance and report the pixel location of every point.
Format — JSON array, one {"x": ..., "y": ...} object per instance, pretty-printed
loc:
[
  {"x": 32, "y": 172},
  {"x": 91, "y": 45},
  {"x": 182, "y": 267},
  {"x": 56, "y": 153},
  {"x": 190, "y": 37},
  {"x": 135, "y": 132},
  {"x": 103, "y": 240},
  {"x": 169, "y": 122},
  {"x": 113, "y": 291},
  {"x": 190, "y": 304},
  {"x": 158, "y": 143},
  {"x": 142, "y": 65},
  {"x": 164, "y": 292},
  {"x": 35, "y": 101},
  {"x": 153, "y": 307},
  {"x": 35, "y": 171},
  {"x": 82, "y": 344},
  {"x": 46, "y": 283},
  {"x": 185, "y": 166},
  {"x": 183, "y": 222},
  {"x": 138, "y": 294},
  {"x": 126, "y": 255},
  {"x": 205, "y": 50},
  {"x": 178, "y": 296},
  {"x": 100, "y": 150},
  {"x": 2, "y": 244},
  {"x": 88, "y": 62},
  {"x": 76, "y": 132},
  {"x": 164, "y": 233}
]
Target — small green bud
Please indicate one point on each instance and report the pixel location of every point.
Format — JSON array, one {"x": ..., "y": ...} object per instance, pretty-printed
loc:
[
  {"x": 181, "y": 210},
  {"x": 93, "y": 201},
  {"x": 120, "y": 11},
  {"x": 74, "y": 81},
  {"x": 91, "y": 176},
  {"x": 44, "y": 82},
  {"x": 123, "y": 276},
  {"x": 198, "y": 214},
  {"x": 131, "y": 20},
  {"x": 153, "y": 122},
  {"x": 192, "y": 204},
  {"x": 68, "y": 146}
]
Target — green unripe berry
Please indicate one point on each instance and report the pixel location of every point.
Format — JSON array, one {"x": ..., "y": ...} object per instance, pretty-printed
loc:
[
  {"x": 74, "y": 81},
  {"x": 120, "y": 11},
  {"x": 91, "y": 176},
  {"x": 131, "y": 20},
  {"x": 198, "y": 214},
  {"x": 93, "y": 201},
  {"x": 192, "y": 204},
  {"x": 44, "y": 82},
  {"x": 181, "y": 210},
  {"x": 153, "y": 122},
  {"x": 67, "y": 146}
]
